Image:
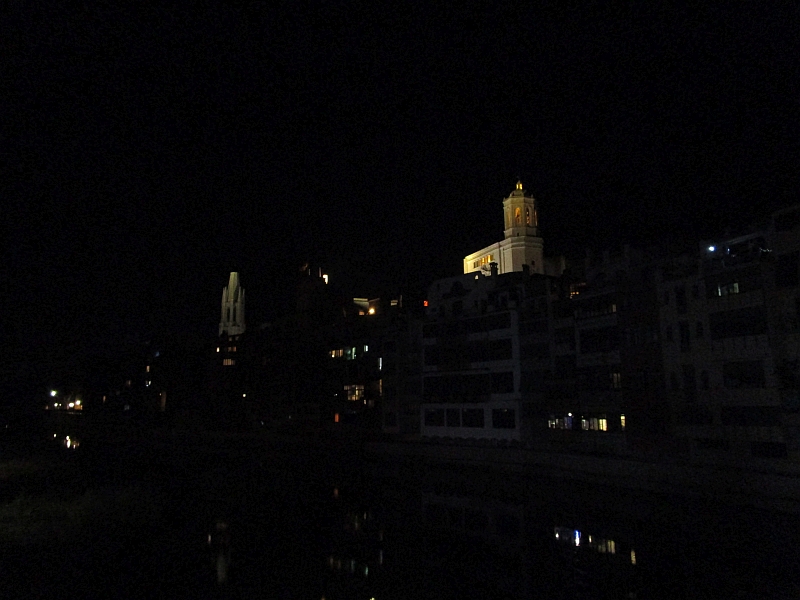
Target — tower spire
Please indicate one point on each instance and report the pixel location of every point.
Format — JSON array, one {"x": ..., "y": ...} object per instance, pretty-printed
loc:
[{"x": 232, "y": 318}]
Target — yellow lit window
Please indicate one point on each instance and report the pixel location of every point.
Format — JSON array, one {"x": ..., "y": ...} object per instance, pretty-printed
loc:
[
  {"x": 355, "y": 393},
  {"x": 622, "y": 422},
  {"x": 147, "y": 369},
  {"x": 616, "y": 380},
  {"x": 228, "y": 362}
]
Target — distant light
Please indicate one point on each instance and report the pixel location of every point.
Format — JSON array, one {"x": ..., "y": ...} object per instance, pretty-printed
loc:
[
  {"x": 53, "y": 393},
  {"x": 372, "y": 311},
  {"x": 244, "y": 395},
  {"x": 711, "y": 248},
  {"x": 72, "y": 405},
  {"x": 217, "y": 348},
  {"x": 77, "y": 402},
  {"x": 325, "y": 278}
]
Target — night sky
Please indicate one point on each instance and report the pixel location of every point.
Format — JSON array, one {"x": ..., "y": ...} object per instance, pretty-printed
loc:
[{"x": 148, "y": 152}]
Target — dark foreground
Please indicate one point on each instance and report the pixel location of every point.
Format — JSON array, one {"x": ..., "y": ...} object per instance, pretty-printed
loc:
[{"x": 223, "y": 518}]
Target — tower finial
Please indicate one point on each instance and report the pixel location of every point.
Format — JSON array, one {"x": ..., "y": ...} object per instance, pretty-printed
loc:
[{"x": 519, "y": 183}]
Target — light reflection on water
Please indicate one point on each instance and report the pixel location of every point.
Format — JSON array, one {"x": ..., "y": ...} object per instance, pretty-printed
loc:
[
  {"x": 368, "y": 538},
  {"x": 314, "y": 529}
]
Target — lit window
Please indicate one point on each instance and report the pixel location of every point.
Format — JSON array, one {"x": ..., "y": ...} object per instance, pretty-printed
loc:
[
  {"x": 622, "y": 422},
  {"x": 336, "y": 420},
  {"x": 616, "y": 380},
  {"x": 380, "y": 363},
  {"x": 228, "y": 362},
  {"x": 424, "y": 303},
  {"x": 217, "y": 348},
  {"x": 147, "y": 369},
  {"x": 517, "y": 216},
  {"x": 727, "y": 289},
  {"x": 147, "y": 383},
  {"x": 527, "y": 216},
  {"x": 354, "y": 392},
  {"x": 633, "y": 557},
  {"x": 366, "y": 348},
  {"x": 602, "y": 424}
]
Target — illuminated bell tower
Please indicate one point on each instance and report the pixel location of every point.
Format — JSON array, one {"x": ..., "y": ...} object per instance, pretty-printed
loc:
[
  {"x": 232, "y": 320},
  {"x": 522, "y": 244},
  {"x": 522, "y": 249},
  {"x": 520, "y": 214}
]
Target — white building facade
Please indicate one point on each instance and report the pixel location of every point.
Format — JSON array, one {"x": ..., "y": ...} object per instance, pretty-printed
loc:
[{"x": 522, "y": 244}]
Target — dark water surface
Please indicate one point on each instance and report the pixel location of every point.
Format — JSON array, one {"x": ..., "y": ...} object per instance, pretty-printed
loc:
[{"x": 302, "y": 522}]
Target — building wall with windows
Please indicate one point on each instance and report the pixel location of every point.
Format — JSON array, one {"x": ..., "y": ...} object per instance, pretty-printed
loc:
[{"x": 730, "y": 344}]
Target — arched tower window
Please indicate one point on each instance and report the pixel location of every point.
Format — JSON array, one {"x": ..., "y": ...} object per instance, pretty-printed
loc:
[
  {"x": 527, "y": 216},
  {"x": 228, "y": 317},
  {"x": 517, "y": 216},
  {"x": 234, "y": 313}
]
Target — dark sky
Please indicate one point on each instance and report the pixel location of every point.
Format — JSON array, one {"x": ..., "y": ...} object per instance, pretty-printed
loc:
[{"x": 148, "y": 152}]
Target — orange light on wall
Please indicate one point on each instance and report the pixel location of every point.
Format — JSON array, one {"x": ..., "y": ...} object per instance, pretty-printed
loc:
[
  {"x": 336, "y": 418},
  {"x": 424, "y": 303}
]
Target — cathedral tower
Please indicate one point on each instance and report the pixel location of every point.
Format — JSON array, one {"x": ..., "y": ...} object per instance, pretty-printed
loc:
[
  {"x": 232, "y": 320},
  {"x": 522, "y": 245}
]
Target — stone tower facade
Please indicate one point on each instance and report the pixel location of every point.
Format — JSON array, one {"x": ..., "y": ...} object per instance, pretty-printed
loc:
[
  {"x": 522, "y": 244},
  {"x": 232, "y": 318}
]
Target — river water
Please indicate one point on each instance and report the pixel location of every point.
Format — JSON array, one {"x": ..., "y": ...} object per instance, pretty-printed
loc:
[{"x": 315, "y": 523}]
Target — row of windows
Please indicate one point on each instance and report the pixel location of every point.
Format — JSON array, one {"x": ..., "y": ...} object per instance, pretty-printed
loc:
[
  {"x": 473, "y": 387},
  {"x": 740, "y": 374},
  {"x": 585, "y": 423},
  {"x": 490, "y": 322},
  {"x": 354, "y": 392},
  {"x": 502, "y": 418},
  {"x": 469, "y": 352},
  {"x": 484, "y": 260},
  {"x": 349, "y": 353},
  {"x": 530, "y": 219}
]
